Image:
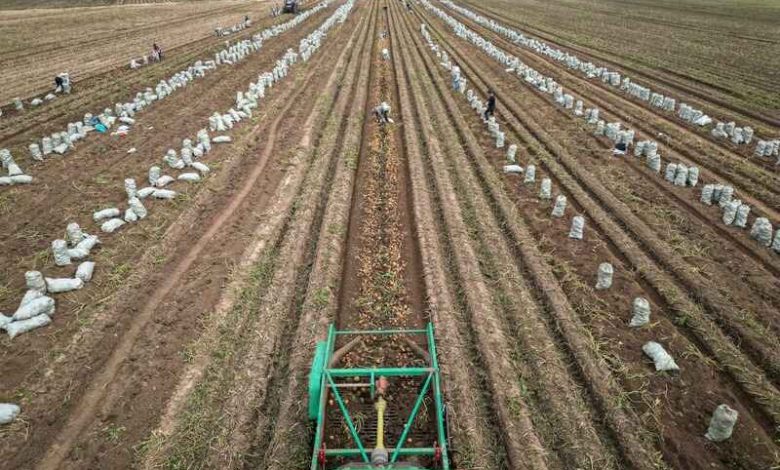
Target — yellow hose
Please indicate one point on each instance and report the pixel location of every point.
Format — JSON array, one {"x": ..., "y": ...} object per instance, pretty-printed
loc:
[{"x": 380, "y": 423}]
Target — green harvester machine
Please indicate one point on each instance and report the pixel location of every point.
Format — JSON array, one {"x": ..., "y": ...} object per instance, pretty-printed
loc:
[{"x": 329, "y": 384}]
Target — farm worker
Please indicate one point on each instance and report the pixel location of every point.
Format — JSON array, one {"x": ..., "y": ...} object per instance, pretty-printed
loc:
[
  {"x": 62, "y": 83},
  {"x": 157, "y": 52},
  {"x": 382, "y": 113},
  {"x": 491, "y": 105}
]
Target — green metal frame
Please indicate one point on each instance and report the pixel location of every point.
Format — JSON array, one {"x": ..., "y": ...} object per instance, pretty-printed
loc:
[{"x": 321, "y": 380}]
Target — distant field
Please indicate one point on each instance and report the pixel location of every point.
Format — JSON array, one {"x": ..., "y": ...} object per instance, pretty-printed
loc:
[
  {"x": 27, "y": 4},
  {"x": 716, "y": 44},
  {"x": 584, "y": 308},
  {"x": 85, "y": 41}
]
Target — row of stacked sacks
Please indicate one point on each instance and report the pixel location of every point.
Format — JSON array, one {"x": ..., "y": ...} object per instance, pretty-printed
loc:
[
  {"x": 247, "y": 100},
  {"x": 228, "y": 30},
  {"x": 123, "y": 114},
  {"x": 622, "y": 137},
  {"x": 662, "y": 359},
  {"x": 676, "y": 173},
  {"x": 65, "y": 88},
  {"x": 15, "y": 174},
  {"x": 238, "y": 51},
  {"x": 735, "y": 213},
  {"x": 738, "y": 135},
  {"x": 36, "y": 311},
  {"x": 685, "y": 111},
  {"x": 768, "y": 148},
  {"x": 724, "y": 418},
  {"x": 36, "y": 308}
]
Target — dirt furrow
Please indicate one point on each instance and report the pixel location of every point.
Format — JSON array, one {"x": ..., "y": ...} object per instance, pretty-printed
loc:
[
  {"x": 288, "y": 445},
  {"x": 224, "y": 429},
  {"x": 616, "y": 217},
  {"x": 695, "y": 95},
  {"x": 524, "y": 448},
  {"x": 242, "y": 419},
  {"x": 693, "y": 370},
  {"x": 219, "y": 215},
  {"x": 590, "y": 364},
  {"x": 738, "y": 262},
  {"x": 476, "y": 441},
  {"x": 379, "y": 288},
  {"x": 567, "y": 423},
  {"x": 717, "y": 158},
  {"x": 96, "y": 92}
]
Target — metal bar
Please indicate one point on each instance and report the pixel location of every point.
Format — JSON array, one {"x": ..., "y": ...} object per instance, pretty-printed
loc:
[
  {"x": 317, "y": 442},
  {"x": 407, "y": 452},
  {"x": 352, "y": 385},
  {"x": 445, "y": 462},
  {"x": 373, "y": 385},
  {"x": 331, "y": 342},
  {"x": 344, "y": 411},
  {"x": 391, "y": 331},
  {"x": 339, "y": 353},
  {"x": 320, "y": 432},
  {"x": 387, "y": 372},
  {"x": 410, "y": 421}
]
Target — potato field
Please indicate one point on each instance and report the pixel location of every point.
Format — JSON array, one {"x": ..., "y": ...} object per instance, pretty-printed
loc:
[{"x": 390, "y": 234}]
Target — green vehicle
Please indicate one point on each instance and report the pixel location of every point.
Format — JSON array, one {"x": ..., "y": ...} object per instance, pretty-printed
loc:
[{"x": 370, "y": 418}]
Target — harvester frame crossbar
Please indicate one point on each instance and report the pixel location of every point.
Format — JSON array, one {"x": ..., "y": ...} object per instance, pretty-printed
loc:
[{"x": 321, "y": 383}]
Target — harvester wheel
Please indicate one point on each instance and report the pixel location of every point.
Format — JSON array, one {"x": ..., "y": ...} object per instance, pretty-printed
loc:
[{"x": 315, "y": 379}]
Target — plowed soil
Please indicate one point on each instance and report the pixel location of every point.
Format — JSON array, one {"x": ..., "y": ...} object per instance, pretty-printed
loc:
[{"x": 191, "y": 346}]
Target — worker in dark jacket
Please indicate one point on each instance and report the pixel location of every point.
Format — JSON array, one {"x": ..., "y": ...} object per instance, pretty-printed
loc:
[{"x": 491, "y": 105}]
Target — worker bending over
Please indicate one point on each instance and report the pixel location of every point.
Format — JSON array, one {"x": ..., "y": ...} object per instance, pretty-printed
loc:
[
  {"x": 382, "y": 113},
  {"x": 62, "y": 83}
]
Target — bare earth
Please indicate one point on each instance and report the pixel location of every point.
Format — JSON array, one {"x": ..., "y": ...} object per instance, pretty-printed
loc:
[
  {"x": 88, "y": 41},
  {"x": 191, "y": 346}
]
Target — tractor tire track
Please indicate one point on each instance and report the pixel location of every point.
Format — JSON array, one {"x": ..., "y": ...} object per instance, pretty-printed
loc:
[
  {"x": 525, "y": 450},
  {"x": 289, "y": 440}
]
